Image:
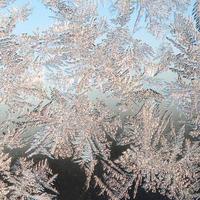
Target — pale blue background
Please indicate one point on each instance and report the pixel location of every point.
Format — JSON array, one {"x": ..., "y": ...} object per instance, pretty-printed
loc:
[{"x": 41, "y": 18}]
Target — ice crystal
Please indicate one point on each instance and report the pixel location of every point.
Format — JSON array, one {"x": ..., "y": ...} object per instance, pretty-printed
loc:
[{"x": 88, "y": 83}]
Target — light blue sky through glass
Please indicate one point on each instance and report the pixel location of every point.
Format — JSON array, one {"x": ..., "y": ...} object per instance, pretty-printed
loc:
[{"x": 41, "y": 18}]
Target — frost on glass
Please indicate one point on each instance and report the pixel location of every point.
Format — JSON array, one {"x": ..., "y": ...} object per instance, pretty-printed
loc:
[{"x": 88, "y": 83}]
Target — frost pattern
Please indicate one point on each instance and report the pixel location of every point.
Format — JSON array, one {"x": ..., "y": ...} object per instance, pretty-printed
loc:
[{"x": 86, "y": 84}]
